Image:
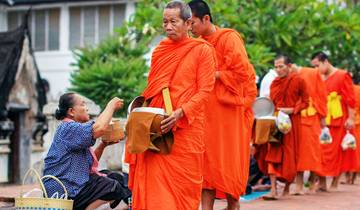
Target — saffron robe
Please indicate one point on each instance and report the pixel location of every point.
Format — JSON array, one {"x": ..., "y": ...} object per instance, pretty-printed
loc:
[
  {"x": 289, "y": 91},
  {"x": 357, "y": 125},
  {"x": 340, "y": 93},
  {"x": 227, "y": 129},
  {"x": 174, "y": 181},
  {"x": 309, "y": 151}
]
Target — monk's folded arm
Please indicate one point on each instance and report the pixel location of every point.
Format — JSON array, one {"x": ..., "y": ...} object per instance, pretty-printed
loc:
[
  {"x": 236, "y": 61},
  {"x": 205, "y": 83},
  {"x": 250, "y": 89},
  {"x": 347, "y": 91},
  {"x": 304, "y": 97},
  {"x": 321, "y": 105}
]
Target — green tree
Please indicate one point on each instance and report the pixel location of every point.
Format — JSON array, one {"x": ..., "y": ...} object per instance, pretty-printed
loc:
[
  {"x": 114, "y": 68},
  {"x": 297, "y": 28}
]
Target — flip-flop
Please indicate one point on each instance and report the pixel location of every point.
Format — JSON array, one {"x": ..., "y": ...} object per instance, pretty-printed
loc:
[
  {"x": 269, "y": 198},
  {"x": 322, "y": 190},
  {"x": 298, "y": 193}
]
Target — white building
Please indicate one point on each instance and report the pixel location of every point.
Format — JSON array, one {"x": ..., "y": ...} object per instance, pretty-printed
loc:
[{"x": 60, "y": 26}]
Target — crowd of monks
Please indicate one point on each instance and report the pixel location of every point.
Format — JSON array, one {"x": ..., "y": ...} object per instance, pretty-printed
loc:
[{"x": 212, "y": 88}]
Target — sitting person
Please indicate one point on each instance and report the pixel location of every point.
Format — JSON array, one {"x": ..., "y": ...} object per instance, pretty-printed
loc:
[
  {"x": 72, "y": 160},
  {"x": 257, "y": 181}
]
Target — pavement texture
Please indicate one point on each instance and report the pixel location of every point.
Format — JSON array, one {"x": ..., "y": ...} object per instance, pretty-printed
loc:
[{"x": 346, "y": 198}]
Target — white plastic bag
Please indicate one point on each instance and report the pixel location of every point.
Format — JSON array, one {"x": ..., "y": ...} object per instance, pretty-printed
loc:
[
  {"x": 283, "y": 122},
  {"x": 348, "y": 141},
  {"x": 325, "y": 136}
]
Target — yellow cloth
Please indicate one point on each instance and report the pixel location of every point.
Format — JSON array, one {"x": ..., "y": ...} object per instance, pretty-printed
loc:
[
  {"x": 334, "y": 107},
  {"x": 310, "y": 110}
]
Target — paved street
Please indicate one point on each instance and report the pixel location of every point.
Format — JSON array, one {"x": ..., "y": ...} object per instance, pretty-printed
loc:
[{"x": 347, "y": 198}]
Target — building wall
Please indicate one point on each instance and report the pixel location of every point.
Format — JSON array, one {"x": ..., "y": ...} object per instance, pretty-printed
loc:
[{"x": 55, "y": 66}]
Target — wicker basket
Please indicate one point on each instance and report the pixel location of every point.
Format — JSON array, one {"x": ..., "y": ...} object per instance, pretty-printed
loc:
[
  {"x": 114, "y": 132},
  {"x": 43, "y": 203}
]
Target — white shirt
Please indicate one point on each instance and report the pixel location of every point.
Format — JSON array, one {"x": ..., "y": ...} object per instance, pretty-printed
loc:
[{"x": 266, "y": 83}]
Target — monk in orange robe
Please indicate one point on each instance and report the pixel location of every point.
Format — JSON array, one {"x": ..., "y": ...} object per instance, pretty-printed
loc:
[
  {"x": 228, "y": 113},
  {"x": 289, "y": 94},
  {"x": 312, "y": 120},
  {"x": 340, "y": 119},
  {"x": 357, "y": 131},
  {"x": 186, "y": 66}
]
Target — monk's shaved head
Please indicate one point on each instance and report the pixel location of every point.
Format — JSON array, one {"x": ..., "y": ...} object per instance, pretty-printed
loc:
[
  {"x": 282, "y": 65},
  {"x": 320, "y": 61},
  {"x": 287, "y": 60},
  {"x": 185, "y": 11},
  {"x": 200, "y": 8},
  {"x": 321, "y": 56}
]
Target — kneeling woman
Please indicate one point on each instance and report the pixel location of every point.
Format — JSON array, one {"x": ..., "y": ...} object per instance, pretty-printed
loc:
[{"x": 71, "y": 159}]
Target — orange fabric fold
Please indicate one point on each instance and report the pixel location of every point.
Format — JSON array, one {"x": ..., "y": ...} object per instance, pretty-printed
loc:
[
  {"x": 309, "y": 151},
  {"x": 229, "y": 117},
  {"x": 357, "y": 125},
  {"x": 233, "y": 65},
  {"x": 174, "y": 181}
]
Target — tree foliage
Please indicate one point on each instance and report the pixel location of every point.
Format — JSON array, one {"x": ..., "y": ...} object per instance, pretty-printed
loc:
[{"x": 296, "y": 28}]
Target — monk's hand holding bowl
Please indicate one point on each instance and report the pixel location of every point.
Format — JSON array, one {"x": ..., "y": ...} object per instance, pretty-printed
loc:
[
  {"x": 168, "y": 123},
  {"x": 349, "y": 124},
  {"x": 217, "y": 75},
  {"x": 287, "y": 110},
  {"x": 323, "y": 123}
]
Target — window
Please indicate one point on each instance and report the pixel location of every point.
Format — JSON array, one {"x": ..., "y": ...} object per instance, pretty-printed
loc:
[
  {"x": 44, "y": 26},
  {"x": 91, "y": 24}
]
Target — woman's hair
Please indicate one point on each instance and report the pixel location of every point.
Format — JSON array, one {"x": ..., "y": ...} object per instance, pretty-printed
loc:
[{"x": 66, "y": 102}]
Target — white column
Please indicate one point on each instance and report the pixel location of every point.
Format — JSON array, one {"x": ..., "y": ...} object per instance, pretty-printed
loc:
[
  {"x": 64, "y": 28},
  {"x": 130, "y": 9},
  {"x": 3, "y": 19}
]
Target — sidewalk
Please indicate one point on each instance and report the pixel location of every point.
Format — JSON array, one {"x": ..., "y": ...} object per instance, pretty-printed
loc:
[{"x": 347, "y": 198}]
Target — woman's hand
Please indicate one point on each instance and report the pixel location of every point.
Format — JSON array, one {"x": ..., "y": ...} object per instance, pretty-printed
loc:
[
  {"x": 116, "y": 103},
  {"x": 105, "y": 144},
  {"x": 168, "y": 123},
  {"x": 102, "y": 122}
]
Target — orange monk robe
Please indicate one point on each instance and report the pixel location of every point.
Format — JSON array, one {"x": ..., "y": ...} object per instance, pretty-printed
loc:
[
  {"x": 309, "y": 151},
  {"x": 289, "y": 91},
  {"x": 174, "y": 181},
  {"x": 226, "y": 162},
  {"x": 339, "y": 89},
  {"x": 250, "y": 93},
  {"x": 357, "y": 124}
]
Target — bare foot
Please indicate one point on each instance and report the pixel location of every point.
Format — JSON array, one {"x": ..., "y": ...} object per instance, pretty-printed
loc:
[
  {"x": 333, "y": 189},
  {"x": 285, "y": 193},
  {"x": 322, "y": 189}
]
